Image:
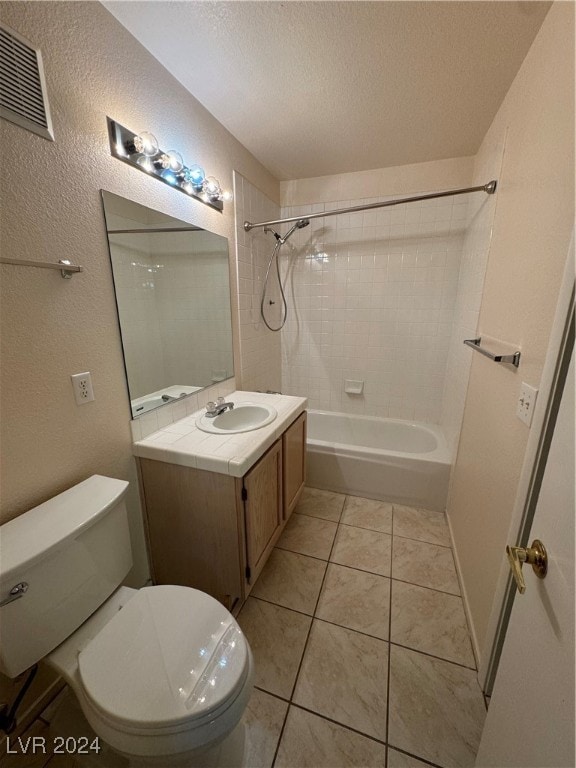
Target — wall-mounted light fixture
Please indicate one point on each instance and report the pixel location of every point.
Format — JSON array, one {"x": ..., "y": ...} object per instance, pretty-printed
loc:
[{"x": 142, "y": 151}]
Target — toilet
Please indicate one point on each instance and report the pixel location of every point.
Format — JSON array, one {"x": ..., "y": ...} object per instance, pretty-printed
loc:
[{"x": 162, "y": 674}]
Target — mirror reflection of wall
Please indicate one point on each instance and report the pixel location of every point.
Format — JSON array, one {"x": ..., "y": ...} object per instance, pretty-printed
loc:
[{"x": 173, "y": 296}]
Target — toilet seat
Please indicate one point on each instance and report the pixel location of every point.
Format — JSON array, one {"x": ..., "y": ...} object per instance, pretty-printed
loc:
[{"x": 172, "y": 659}]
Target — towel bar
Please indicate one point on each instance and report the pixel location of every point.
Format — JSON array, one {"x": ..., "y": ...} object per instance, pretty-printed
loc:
[{"x": 513, "y": 359}]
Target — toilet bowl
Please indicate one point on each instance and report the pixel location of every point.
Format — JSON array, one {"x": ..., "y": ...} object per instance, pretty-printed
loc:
[{"x": 162, "y": 674}]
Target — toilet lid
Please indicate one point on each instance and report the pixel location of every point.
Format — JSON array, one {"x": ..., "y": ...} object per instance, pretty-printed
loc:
[{"x": 170, "y": 655}]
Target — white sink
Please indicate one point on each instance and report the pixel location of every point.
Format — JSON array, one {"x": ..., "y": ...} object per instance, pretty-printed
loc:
[{"x": 244, "y": 417}]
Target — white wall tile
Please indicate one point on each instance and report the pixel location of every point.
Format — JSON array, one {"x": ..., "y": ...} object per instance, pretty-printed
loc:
[
  {"x": 259, "y": 353},
  {"x": 389, "y": 288}
]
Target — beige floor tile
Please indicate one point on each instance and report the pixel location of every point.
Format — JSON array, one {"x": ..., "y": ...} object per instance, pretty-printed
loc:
[
  {"x": 263, "y": 719},
  {"x": 356, "y": 600},
  {"x": 366, "y": 550},
  {"x": 310, "y": 741},
  {"x": 368, "y": 513},
  {"x": 427, "y": 565},
  {"x": 277, "y": 638},
  {"x": 324, "y": 504},
  {"x": 436, "y": 709},
  {"x": 344, "y": 677},
  {"x": 291, "y": 580},
  {"x": 400, "y": 760},
  {"x": 430, "y": 621},
  {"x": 308, "y": 536},
  {"x": 421, "y": 524}
]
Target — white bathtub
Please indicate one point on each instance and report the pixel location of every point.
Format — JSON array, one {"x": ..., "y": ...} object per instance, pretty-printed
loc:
[{"x": 385, "y": 459}]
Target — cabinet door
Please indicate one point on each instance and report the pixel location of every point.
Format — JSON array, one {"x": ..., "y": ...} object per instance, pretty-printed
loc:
[
  {"x": 294, "y": 463},
  {"x": 193, "y": 529},
  {"x": 263, "y": 509}
]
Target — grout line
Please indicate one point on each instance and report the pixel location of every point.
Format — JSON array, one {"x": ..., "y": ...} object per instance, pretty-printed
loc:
[
  {"x": 389, "y": 641},
  {"x": 294, "y": 552},
  {"x": 275, "y": 695},
  {"x": 317, "y": 517},
  {"x": 314, "y": 617},
  {"x": 303, "y": 651},
  {"x": 280, "y": 735},
  {"x": 432, "y": 589},
  {"x": 432, "y": 656},
  {"x": 364, "y": 528},
  {"x": 373, "y": 573},
  {"x": 336, "y": 722},
  {"x": 351, "y": 629},
  {"x": 360, "y": 632},
  {"x": 416, "y": 757},
  {"x": 314, "y": 613},
  {"x": 423, "y": 541},
  {"x": 286, "y": 607}
]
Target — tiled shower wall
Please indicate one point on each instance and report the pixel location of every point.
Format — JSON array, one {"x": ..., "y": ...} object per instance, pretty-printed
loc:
[
  {"x": 260, "y": 356},
  {"x": 385, "y": 297},
  {"x": 372, "y": 297}
]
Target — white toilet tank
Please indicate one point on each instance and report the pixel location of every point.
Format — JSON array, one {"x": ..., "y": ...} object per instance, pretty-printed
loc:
[{"x": 73, "y": 551}]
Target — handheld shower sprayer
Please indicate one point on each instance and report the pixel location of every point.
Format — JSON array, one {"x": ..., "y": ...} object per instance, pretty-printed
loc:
[{"x": 300, "y": 224}]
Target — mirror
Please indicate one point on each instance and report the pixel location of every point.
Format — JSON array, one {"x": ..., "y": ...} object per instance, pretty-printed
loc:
[{"x": 173, "y": 296}]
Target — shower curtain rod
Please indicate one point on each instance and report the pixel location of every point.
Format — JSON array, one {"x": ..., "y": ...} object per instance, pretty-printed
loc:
[{"x": 489, "y": 188}]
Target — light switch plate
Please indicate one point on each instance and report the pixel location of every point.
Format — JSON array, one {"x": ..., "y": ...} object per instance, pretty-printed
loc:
[{"x": 526, "y": 403}]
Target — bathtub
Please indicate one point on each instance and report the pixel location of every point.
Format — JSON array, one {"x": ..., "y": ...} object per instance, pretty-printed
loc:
[{"x": 386, "y": 459}]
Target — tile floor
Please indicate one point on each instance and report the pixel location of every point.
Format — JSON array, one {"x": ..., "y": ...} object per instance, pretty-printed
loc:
[
  {"x": 362, "y": 651},
  {"x": 361, "y": 646}
]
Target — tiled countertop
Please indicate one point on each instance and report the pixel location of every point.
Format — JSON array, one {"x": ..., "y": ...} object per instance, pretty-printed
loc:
[{"x": 184, "y": 444}]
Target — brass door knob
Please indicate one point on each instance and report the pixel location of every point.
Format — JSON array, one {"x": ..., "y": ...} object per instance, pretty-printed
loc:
[{"x": 535, "y": 555}]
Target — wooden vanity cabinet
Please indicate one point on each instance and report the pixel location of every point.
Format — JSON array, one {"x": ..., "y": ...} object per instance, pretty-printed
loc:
[
  {"x": 214, "y": 532},
  {"x": 294, "y": 463},
  {"x": 192, "y": 529},
  {"x": 263, "y": 510}
]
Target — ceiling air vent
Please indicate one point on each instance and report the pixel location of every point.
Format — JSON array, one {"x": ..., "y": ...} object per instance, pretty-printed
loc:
[{"x": 22, "y": 88}]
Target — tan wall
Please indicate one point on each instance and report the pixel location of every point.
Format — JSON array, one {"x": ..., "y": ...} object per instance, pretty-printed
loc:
[
  {"x": 397, "y": 180},
  {"x": 533, "y": 220},
  {"x": 51, "y": 209}
]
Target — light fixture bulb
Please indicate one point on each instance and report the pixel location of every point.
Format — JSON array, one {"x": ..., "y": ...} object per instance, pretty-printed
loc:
[
  {"x": 169, "y": 176},
  {"x": 227, "y": 196},
  {"x": 146, "y": 144},
  {"x": 146, "y": 164},
  {"x": 172, "y": 161},
  {"x": 211, "y": 188},
  {"x": 195, "y": 175}
]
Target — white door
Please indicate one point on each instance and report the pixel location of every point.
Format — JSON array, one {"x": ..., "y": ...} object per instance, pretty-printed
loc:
[{"x": 530, "y": 721}]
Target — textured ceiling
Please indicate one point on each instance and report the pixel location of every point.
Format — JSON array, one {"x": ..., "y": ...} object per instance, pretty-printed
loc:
[{"x": 316, "y": 88}]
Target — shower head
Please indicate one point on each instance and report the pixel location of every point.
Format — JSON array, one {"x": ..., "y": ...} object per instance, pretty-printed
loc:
[{"x": 300, "y": 224}]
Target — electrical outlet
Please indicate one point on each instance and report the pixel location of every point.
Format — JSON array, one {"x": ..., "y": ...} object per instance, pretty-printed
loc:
[
  {"x": 526, "y": 403},
  {"x": 82, "y": 385}
]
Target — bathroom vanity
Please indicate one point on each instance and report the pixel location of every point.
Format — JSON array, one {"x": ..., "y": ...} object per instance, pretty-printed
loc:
[{"x": 215, "y": 504}]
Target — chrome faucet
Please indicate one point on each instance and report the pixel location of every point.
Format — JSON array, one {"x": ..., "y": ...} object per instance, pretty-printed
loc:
[{"x": 216, "y": 408}]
